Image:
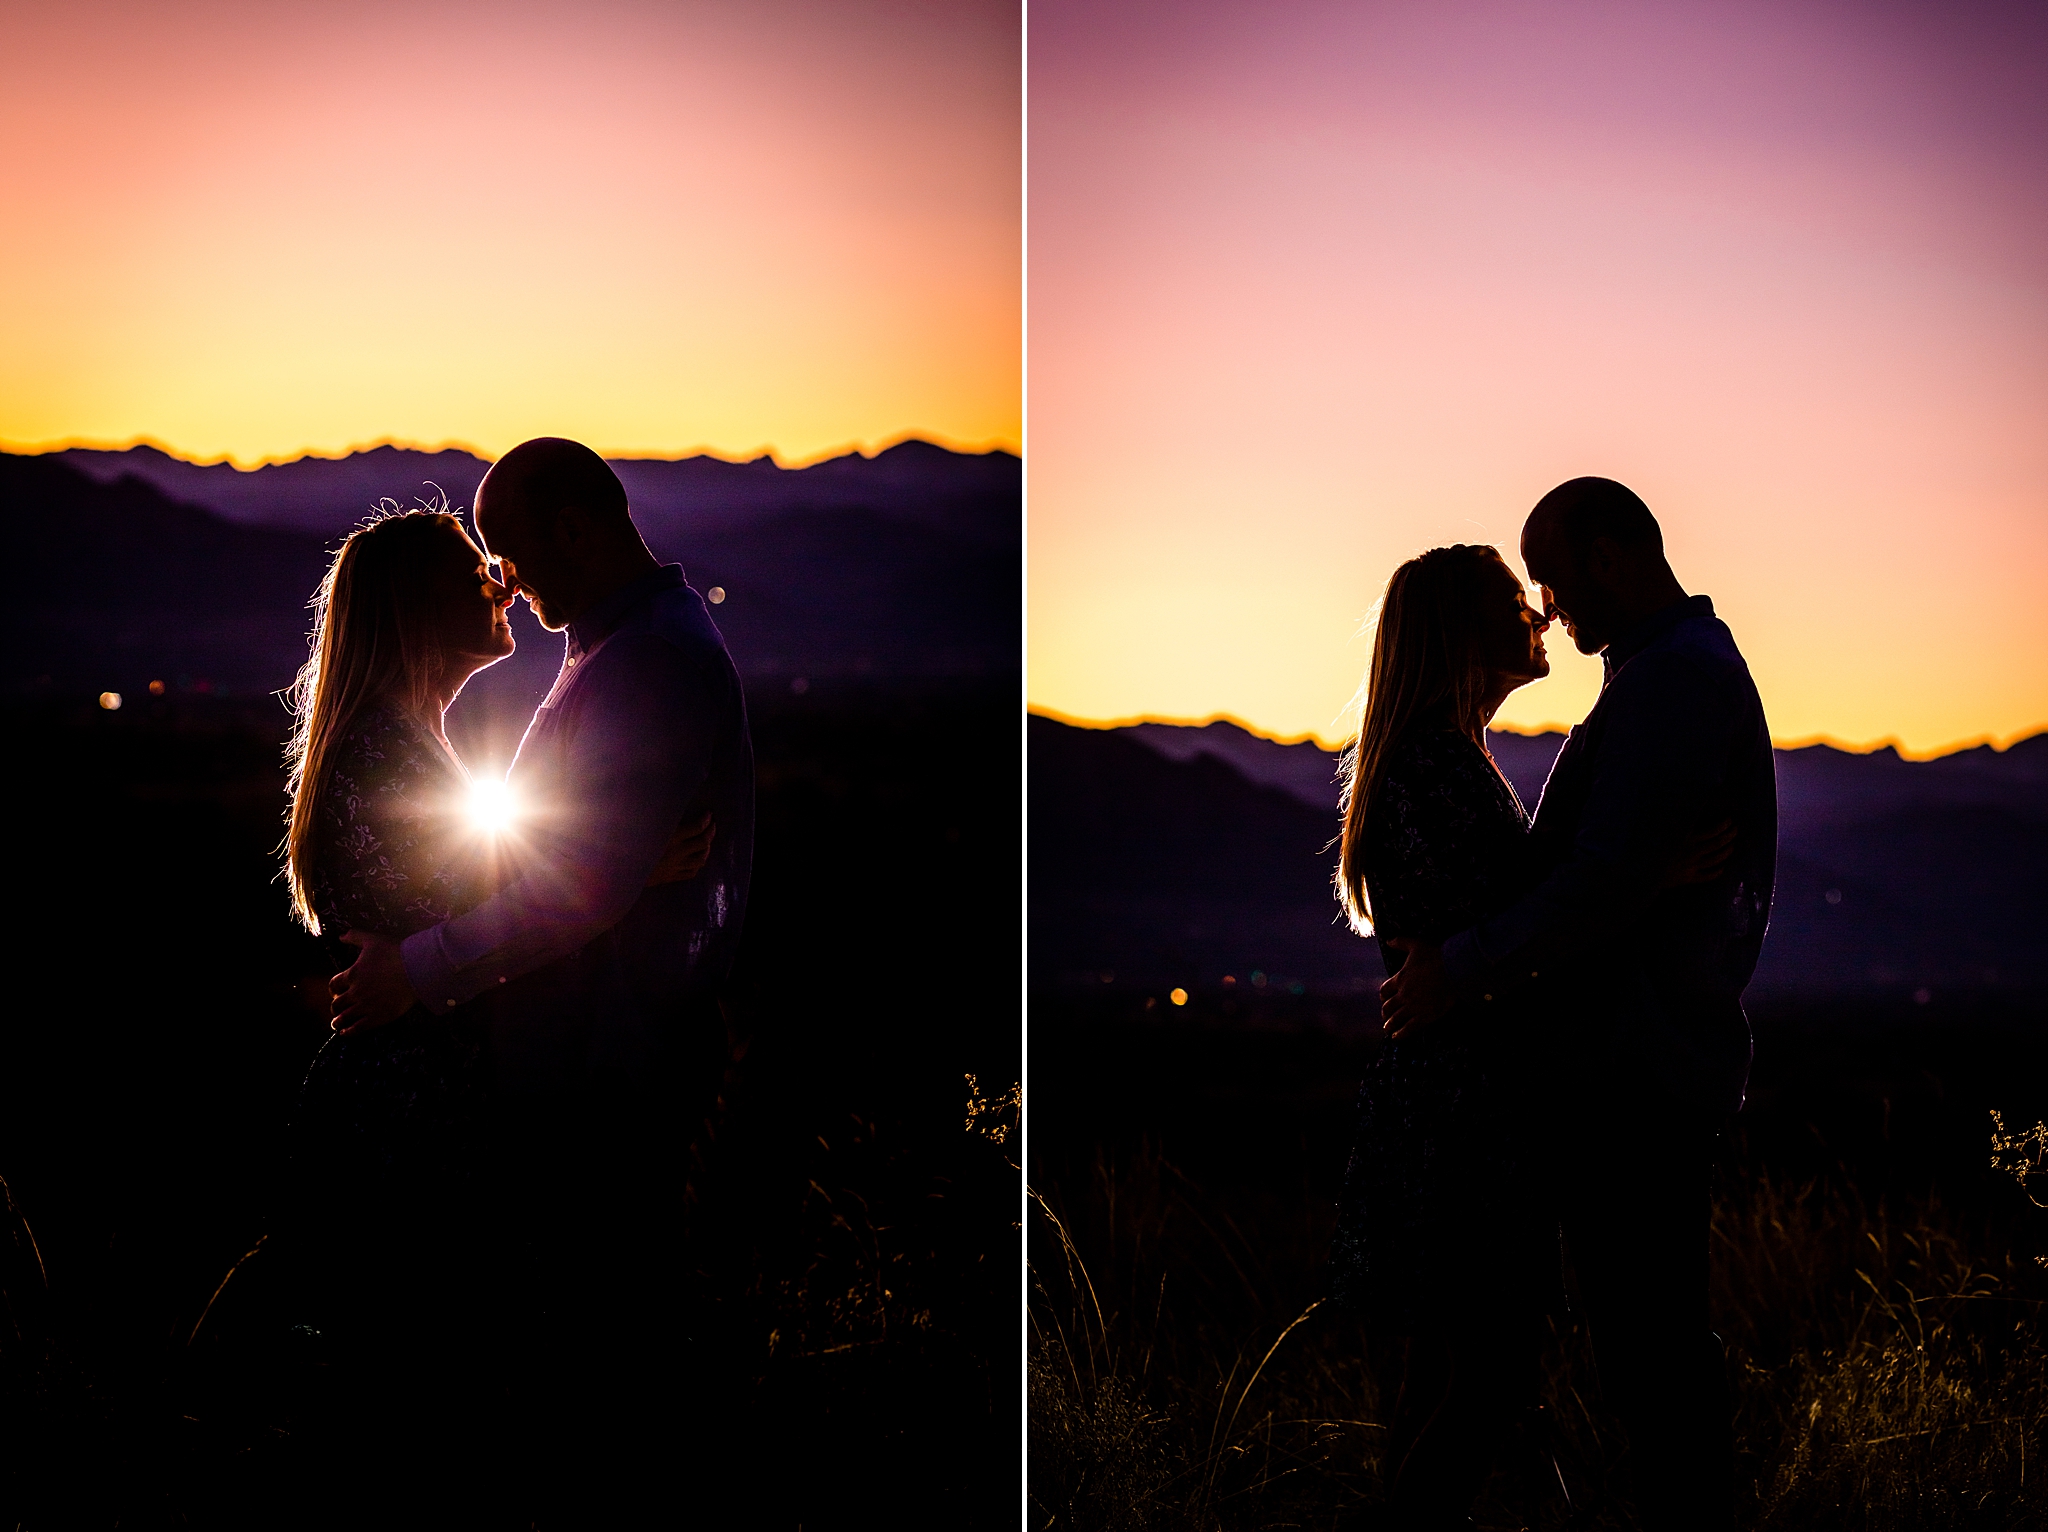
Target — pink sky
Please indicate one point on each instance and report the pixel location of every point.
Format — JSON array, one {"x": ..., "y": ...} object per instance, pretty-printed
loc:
[
  {"x": 253, "y": 229},
  {"x": 1314, "y": 287}
]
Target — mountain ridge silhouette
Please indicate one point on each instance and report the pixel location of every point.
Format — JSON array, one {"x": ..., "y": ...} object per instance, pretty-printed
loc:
[
  {"x": 1896, "y": 877},
  {"x": 906, "y": 578},
  {"x": 959, "y": 494}
]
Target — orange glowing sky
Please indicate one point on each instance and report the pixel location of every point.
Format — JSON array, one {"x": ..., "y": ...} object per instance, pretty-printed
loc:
[
  {"x": 252, "y": 229},
  {"x": 1315, "y": 287}
]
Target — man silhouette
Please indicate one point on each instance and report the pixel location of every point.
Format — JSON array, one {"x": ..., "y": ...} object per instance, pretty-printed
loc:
[
  {"x": 1645, "y": 981},
  {"x": 601, "y": 973}
]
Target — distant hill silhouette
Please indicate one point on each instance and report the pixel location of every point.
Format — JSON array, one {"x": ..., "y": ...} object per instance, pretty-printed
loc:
[
  {"x": 125, "y": 586},
  {"x": 1152, "y": 872},
  {"x": 1207, "y": 859},
  {"x": 900, "y": 569}
]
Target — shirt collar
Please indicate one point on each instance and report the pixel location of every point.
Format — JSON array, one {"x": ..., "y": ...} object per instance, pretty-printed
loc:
[
  {"x": 602, "y": 620},
  {"x": 1652, "y": 628}
]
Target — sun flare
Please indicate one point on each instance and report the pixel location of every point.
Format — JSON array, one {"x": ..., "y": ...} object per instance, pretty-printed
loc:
[{"x": 492, "y": 807}]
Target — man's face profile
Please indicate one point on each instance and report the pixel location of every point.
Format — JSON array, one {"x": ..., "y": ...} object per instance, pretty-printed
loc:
[
  {"x": 524, "y": 555},
  {"x": 1550, "y": 571}
]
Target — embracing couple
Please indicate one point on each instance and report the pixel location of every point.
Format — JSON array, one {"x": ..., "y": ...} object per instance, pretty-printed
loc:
[
  {"x": 489, "y": 1150},
  {"x": 1563, "y": 1021}
]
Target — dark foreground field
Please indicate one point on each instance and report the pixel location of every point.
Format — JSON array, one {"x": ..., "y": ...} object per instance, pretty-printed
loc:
[
  {"x": 1876, "y": 1280},
  {"x": 854, "y": 1246}
]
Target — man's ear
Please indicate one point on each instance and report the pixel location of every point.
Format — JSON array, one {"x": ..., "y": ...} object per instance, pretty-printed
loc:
[{"x": 572, "y": 526}]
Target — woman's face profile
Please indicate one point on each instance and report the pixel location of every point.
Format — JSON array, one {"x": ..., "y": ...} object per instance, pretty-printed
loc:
[
  {"x": 479, "y": 606},
  {"x": 1514, "y": 641}
]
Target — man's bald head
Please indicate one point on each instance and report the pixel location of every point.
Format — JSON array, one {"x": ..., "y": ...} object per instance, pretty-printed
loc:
[
  {"x": 1575, "y": 515},
  {"x": 555, "y": 515},
  {"x": 1598, "y": 554},
  {"x": 538, "y": 480}
]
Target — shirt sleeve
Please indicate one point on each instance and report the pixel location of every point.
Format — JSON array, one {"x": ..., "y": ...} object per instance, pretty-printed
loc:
[
  {"x": 1661, "y": 759},
  {"x": 637, "y": 751}
]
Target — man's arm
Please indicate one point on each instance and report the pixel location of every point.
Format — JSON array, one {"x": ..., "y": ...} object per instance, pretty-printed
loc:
[
  {"x": 1661, "y": 757},
  {"x": 639, "y": 752}
]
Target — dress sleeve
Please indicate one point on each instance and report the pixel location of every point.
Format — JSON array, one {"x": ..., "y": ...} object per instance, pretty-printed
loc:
[
  {"x": 1428, "y": 841},
  {"x": 379, "y": 867}
]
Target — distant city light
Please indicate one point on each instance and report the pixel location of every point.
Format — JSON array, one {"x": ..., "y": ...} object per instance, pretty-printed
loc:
[
  {"x": 1108, "y": 977},
  {"x": 716, "y": 594},
  {"x": 1258, "y": 979},
  {"x": 1230, "y": 981},
  {"x": 156, "y": 688},
  {"x": 1922, "y": 996},
  {"x": 1179, "y": 997},
  {"x": 110, "y": 700},
  {"x": 799, "y": 686},
  {"x": 1834, "y": 896},
  {"x": 491, "y": 805}
]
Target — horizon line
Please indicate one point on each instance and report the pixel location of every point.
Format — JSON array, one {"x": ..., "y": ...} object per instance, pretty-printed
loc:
[
  {"x": 1802, "y": 742},
  {"x": 450, "y": 444}
]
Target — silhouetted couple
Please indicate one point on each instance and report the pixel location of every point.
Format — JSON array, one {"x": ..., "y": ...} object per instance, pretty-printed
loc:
[
  {"x": 1563, "y": 1021},
  {"x": 491, "y": 1147}
]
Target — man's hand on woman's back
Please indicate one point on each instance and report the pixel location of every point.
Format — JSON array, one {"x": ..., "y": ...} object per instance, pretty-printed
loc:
[
  {"x": 373, "y": 991},
  {"x": 686, "y": 853},
  {"x": 1702, "y": 856},
  {"x": 1419, "y": 993}
]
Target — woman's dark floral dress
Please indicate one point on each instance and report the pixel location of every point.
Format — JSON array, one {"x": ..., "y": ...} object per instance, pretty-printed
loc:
[
  {"x": 387, "y": 1118},
  {"x": 1441, "y": 1219}
]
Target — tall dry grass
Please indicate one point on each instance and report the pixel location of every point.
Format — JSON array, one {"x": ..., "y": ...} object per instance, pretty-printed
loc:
[{"x": 1885, "y": 1361}]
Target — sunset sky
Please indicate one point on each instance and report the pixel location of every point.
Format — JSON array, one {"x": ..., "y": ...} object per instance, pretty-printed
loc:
[
  {"x": 1316, "y": 286},
  {"x": 253, "y": 228}
]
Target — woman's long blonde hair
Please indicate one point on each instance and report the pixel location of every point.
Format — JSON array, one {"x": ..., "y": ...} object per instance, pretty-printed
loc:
[
  {"x": 380, "y": 637},
  {"x": 1428, "y": 663}
]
